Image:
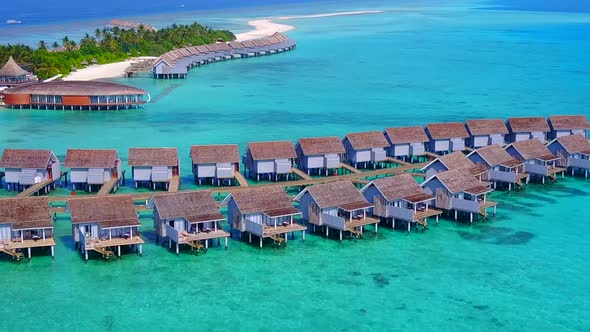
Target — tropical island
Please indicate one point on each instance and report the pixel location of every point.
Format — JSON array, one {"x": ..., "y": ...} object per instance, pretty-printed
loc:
[{"x": 107, "y": 45}]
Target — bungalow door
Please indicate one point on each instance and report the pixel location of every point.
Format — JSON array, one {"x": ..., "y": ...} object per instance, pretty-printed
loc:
[
  {"x": 380, "y": 206},
  {"x": 313, "y": 213}
]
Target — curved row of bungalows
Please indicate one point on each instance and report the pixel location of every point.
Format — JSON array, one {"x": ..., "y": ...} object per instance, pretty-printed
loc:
[
  {"x": 154, "y": 166},
  {"x": 217, "y": 163},
  {"x": 269, "y": 159},
  {"x": 104, "y": 223},
  {"x": 459, "y": 191},
  {"x": 573, "y": 152},
  {"x": 264, "y": 212},
  {"x": 176, "y": 63},
  {"x": 400, "y": 198},
  {"x": 365, "y": 149},
  {"x": 25, "y": 168},
  {"x": 336, "y": 205},
  {"x": 25, "y": 223},
  {"x": 187, "y": 218}
]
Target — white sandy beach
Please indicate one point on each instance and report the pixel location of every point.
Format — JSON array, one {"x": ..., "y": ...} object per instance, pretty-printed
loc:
[
  {"x": 262, "y": 28},
  {"x": 110, "y": 70}
]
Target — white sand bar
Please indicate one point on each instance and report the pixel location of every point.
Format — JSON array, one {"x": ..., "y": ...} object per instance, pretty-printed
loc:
[{"x": 266, "y": 27}]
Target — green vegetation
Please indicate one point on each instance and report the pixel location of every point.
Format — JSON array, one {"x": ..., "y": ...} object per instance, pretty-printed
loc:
[{"x": 109, "y": 45}]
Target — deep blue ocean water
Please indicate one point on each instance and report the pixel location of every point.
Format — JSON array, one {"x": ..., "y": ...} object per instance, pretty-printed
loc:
[{"x": 525, "y": 269}]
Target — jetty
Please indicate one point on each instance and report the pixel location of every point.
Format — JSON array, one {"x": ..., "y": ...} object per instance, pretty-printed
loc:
[
  {"x": 301, "y": 174},
  {"x": 350, "y": 168},
  {"x": 36, "y": 188},
  {"x": 241, "y": 179},
  {"x": 107, "y": 187}
]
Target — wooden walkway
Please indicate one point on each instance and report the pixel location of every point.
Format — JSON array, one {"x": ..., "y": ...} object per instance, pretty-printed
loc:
[
  {"x": 397, "y": 161},
  {"x": 32, "y": 190},
  {"x": 241, "y": 179},
  {"x": 355, "y": 177},
  {"x": 174, "y": 184},
  {"x": 431, "y": 155},
  {"x": 350, "y": 168},
  {"x": 107, "y": 187},
  {"x": 301, "y": 173}
]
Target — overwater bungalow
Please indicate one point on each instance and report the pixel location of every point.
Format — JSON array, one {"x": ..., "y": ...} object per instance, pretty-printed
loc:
[
  {"x": 188, "y": 218},
  {"x": 573, "y": 152},
  {"x": 25, "y": 168},
  {"x": 93, "y": 168},
  {"x": 319, "y": 154},
  {"x": 446, "y": 137},
  {"x": 406, "y": 143},
  {"x": 459, "y": 191},
  {"x": 486, "y": 132},
  {"x": 265, "y": 212},
  {"x": 521, "y": 129},
  {"x": 25, "y": 223},
  {"x": 563, "y": 125},
  {"x": 365, "y": 149},
  {"x": 153, "y": 166},
  {"x": 273, "y": 159},
  {"x": 454, "y": 160},
  {"x": 75, "y": 95},
  {"x": 401, "y": 198},
  {"x": 502, "y": 168},
  {"x": 538, "y": 161},
  {"x": 11, "y": 74},
  {"x": 103, "y": 224},
  {"x": 216, "y": 162},
  {"x": 337, "y": 205}
]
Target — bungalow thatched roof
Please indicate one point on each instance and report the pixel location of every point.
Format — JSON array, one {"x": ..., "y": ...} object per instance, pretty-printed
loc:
[
  {"x": 461, "y": 180},
  {"x": 212, "y": 154},
  {"x": 528, "y": 124},
  {"x": 341, "y": 194},
  {"x": 402, "y": 186},
  {"x": 321, "y": 145},
  {"x": 532, "y": 149},
  {"x": 17, "y": 158},
  {"x": 26, "y": 212},
  {"x": 447, "y": 130},
  {"x": 272, "y": 150},
  {"x": 153, "y": 157},
  {"x": 404, "y": 135},
  {"x": 91, "y": 158},
  {"x": 112, "y": 211},
  {"x": 569, "y": 122},
  {"x": 194, "y": 206},
  {"x": 12, "y": 69},
  {"x": 495, "y": 155},
  {"x": 272, "y": 201},
  {"x": 486, "y": 127},
  {"x": 572, "y": 144},
  {"x": 367, "y": 140}
]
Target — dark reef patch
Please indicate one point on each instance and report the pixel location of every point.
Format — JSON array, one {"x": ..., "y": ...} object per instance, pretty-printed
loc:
[{"x": 498, "y": 235}]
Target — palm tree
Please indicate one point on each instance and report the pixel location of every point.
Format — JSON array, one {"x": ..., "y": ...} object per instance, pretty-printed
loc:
[
  {"x": 97, "y": 33},
  {"x": 65, "y": 41},
  {"x": 42, "y": 45},
  {"x": 54, "y": 45}
]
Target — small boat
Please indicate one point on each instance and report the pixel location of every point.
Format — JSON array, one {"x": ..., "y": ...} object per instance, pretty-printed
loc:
[{"x": 13, "y": 22}]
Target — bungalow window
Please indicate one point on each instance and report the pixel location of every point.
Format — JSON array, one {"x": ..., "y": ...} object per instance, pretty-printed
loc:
[{"x": 468, "y": 197}]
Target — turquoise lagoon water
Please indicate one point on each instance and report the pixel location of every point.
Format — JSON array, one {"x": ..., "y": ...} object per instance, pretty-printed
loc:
[{"x": 525, "y": 269}]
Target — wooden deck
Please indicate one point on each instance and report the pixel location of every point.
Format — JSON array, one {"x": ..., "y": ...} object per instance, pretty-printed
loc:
[
  {"x": 35, "y": 188},
  {"x": 190, "y": 237},
  {"x": 419, "y": 215},
  {"x": 555, "y": 170},
  {"x": 94, "y": 243},
  {"x": 397, "y": 161},
  {"x": 350, "y": 168},
  {"x": 174, "y": 184},
  {"x": 487, "y": 204},
  {"x": 48, "y": 242},
  {"x": 107, "y": 187},
  {"x": 355, "y": 223},
  {"x": 272, "y": 231},
  {"x": 301, "y": 173},
  {"x": 241, "y": 179}
]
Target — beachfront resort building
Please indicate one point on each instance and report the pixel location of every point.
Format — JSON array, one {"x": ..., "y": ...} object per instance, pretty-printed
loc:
[
  {"x": 26, "y": 168},
  {"x": 265, "y": 212},
  {"x": 154, "y": 166},
  {"x": 522, "y": 129},
  {"x": 406, "y": 143},
  {"x": 365, "y": 149},
  {"x": 187, "y": 218},
  {"x": 75, "y": 95},
  {"x": 400, "y": 198},
  {"x": 219, "y": 163},
  {"x": 538, "y": 161},
  {"x": 11, "y": 74},
  {"x": 271, "y": 159},
  {"x": 486, "y": 132},
  {"x": 446, "y": 137},
  {"x": 319, "y": 154},
  {"x": 563, "y": 125},
  {"x": 454, "y": 160},
  {"x": 502, "y": 168},
  {"x": 105, "y": 223},
  {"x": 573, "y": 152},
  {"x": 25, "y": 223},
  {"x": 336, "y": 205},
  {"x": 94, "y": 168},
  {"x": 459, "y": 191}
]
